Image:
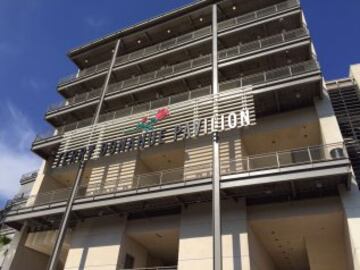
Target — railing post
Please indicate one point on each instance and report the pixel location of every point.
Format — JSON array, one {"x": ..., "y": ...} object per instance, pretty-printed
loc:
[
  {"x": 161, "y": 177},
  {"x": 278, "y": 159},
  {"x": 310, "y": 157},
  {"x": 248, "y": 163}
]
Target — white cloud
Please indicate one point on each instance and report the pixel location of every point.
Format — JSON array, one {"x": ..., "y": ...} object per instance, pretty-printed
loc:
[
  {"x": 16, "y": 136},
  {"x": 35, "y": 84},
  {"x": 94, "y": 22}
]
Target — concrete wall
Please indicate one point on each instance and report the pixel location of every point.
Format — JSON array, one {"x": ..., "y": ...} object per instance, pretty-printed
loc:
[
  {"x": 198, "y": 158},
  {"x": 232, "y": 152},
  {"x": 21, "y": 257},
  {"x": 355, "y": 73},
  {"x": 111, "y": 172},
  {"x": 136, "y": 250},
  {"x": 95, "y": 244},
  {"x": 195, "y": 246},
  {"x": 351, "y": 205},
  {"x": 259, "y": 256},
  {"x": 309, "y": 232},
  {"x": 329, "y": 127}
]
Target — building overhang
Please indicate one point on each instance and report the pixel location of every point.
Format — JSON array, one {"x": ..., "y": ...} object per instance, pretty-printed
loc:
[{"x": 272, "y": 185}]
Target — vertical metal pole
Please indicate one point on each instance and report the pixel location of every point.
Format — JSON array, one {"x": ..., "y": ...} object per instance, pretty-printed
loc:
[
  {"x": 106, "y": 84},
  {"x": 65, "y": 220},
  {"x": 216, "y": 199},
  {"x": 52, "y": 265}
]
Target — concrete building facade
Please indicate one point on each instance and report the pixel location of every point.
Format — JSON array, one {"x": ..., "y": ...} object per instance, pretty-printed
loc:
[{"x": 213, "y": 118}]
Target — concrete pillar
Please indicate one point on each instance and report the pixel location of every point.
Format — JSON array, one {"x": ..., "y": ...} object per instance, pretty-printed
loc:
[
  {"x": 195, "y": 241},
  {"x": 351, "y": 205},
  {"x": 18, "y": 241},
  {"x": 330, "y": 131},
  {"x": 95, "y": 244},
  {"x": 21, "y": 257}
]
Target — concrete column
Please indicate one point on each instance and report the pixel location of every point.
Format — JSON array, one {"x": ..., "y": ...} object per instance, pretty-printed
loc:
[
  {"x": 195, "y": 241},
  {"x": 330, "y": 131},
  {"x": 95, "y": 244},
  {"x": 22, "y": 257},
  {"x": 351, "y": 205},
  {"x": 18, "y": 241}
]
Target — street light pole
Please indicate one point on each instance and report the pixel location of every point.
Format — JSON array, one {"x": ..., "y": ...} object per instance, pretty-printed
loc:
[
  {"x": 216, "y": 199},
  {"x": 53, "y": 261}
]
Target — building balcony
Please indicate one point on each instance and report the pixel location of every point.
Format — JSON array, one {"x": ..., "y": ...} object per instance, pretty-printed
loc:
[
  {"x": 182, "y": 40},
  {"x": 322, "y": 163},
  {"x": 227, "y": 54},
  {"x": 260, "y": 82}
]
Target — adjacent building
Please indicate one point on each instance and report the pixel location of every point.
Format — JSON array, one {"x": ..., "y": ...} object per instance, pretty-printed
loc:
[
  {"x": 217, "y": 92},
  {"x": 345, "y": 98}
]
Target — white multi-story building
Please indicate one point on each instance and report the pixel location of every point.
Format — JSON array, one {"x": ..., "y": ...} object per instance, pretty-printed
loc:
[{"x": 208, "y": 126}]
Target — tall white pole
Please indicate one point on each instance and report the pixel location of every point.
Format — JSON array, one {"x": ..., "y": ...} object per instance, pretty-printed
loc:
[{"x": 216, "y": 199}]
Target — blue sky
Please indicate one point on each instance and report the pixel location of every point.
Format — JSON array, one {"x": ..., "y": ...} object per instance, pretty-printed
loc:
[{"x": 35, "y": 36}]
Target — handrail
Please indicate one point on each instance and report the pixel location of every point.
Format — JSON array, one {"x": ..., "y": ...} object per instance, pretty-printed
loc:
[
  {"x": 183, "y": 175},
  {"x": 152, "y": 268},
  {"x": 29, "y": 175},
  {"x": 174, "y": 42},
  {"x": 253, "y": 79},
  {"x": 185, "y": 66}
]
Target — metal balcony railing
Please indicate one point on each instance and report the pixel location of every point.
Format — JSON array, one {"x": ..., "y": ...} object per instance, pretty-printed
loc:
[
  {"x": 152, "y": 268},
  {"x": 184, "y": 175},
  {"x": 236, "y": 51},
  {"x": 254, "y": 80},
  {"x": 183, "y": 39},
  {"x": 75, "y": 100}
]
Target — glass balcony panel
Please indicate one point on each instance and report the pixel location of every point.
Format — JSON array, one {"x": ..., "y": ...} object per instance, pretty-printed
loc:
[
  {"x": 270, "y": 41},
  {"x": 136, "y": 55},
  {"x": 266, "y": 11},
  {"x": 251, "y": 46},
  {"x": 234, "y": 166},
  {"x": 254, "y": 79},
  {"x": 287, "y": 4},
  {"x": 291, "y": 35},
  {"x": 148, "y": 180},
  {"x": 165, "y": 72},
  {"x": 130, "y": 82},
  {"x": 202, "y": 32},
  {"x": 201, "y": 61},
  {"x": 230, "y": 85},
  {"x": 124, "y": 112},
  {"x": 293, "y": 157},
  {"x": 172, "y": 176},
  {"x": 148, "y": 77},
  {"x": 200, "y": 92},
  {"x": 94, "y": 93},
  {"x": 152, "y": 49},
  {"x": 226, "y": 24},
  {"x": 179, "y": 98},
  {"x": 163, "y": 102},
  {"x": 182, "y": 67},
  {"x": 263, "y": 162},
  {"x": 278, "y": 74},
  {"x": 185, "y": 38},
  {"x": 246, "y": 18},
  {"x": 122, "y": 59},
  {"x": 168, "y": 44},
  {"x": 141, "y": 108}
]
